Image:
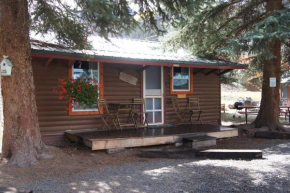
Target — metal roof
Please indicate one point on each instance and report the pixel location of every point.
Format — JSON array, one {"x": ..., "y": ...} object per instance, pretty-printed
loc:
[{"x": 127, "y": 49}]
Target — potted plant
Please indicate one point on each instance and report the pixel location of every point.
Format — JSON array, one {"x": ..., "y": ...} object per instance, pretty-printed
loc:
[{"x": 81, "y": 92}]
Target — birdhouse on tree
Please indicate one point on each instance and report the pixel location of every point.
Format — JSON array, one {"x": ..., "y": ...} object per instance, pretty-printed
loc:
[{"x": 6, "y": 67}]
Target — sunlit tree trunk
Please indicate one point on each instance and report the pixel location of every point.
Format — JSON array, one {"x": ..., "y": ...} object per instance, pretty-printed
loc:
[
  {"x": 269, "y": 111},
  {"x": 21, "y": 140}
]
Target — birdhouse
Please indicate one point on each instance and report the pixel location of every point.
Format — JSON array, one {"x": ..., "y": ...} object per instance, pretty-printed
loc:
[{"x": 6, "y": 67}]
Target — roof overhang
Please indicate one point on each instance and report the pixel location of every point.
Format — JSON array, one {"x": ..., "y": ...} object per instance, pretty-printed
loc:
[{"x": 121, "y": 60}]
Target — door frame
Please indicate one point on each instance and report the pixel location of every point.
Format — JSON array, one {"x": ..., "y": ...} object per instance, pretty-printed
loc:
[{"x": 155, "y": 96}]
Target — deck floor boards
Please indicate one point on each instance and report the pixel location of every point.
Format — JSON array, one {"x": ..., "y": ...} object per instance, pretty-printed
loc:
[
  {"x": 129, "y": 133},
  {"x": 144, "y": 137}
]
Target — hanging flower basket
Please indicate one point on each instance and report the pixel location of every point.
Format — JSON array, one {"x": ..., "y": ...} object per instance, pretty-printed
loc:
[{"x": 80, "y": 92}]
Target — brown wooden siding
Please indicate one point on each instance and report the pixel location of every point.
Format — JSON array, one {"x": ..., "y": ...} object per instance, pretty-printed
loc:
[
  {"x": 53, "y": 115},
  {"x": 206, "y": 88}
]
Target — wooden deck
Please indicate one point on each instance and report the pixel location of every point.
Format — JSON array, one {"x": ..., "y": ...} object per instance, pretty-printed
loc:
[{"x": 99, "y": 140}]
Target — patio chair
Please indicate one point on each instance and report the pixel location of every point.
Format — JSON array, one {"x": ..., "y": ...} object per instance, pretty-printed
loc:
[
  {"x": 139, "y": 101},
  {"x": 107, "y": 117},
  {"x": 194, "y": 107},
  {"x": 181, "y": 114}
]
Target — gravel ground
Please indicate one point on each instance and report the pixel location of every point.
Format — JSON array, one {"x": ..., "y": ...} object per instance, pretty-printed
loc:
[{"x": 270, "y": 174}]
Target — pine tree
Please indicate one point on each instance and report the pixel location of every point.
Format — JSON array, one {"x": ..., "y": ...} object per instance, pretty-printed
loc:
[
  {"x": 208, "y": 23},
  {"x": 72, "y": 24},
  {"x": 223, "y": 29}
]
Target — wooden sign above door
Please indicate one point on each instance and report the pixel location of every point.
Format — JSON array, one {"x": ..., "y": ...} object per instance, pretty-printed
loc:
[{"x": 128, "y": 78}]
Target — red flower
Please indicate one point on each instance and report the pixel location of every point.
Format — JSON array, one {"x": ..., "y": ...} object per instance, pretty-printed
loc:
[
  {"x": 60, "y": 97},
  {"x": 61, "y": 86},
  {"x": 74, "y": 81},
  {"x": 79, "y": 90}
]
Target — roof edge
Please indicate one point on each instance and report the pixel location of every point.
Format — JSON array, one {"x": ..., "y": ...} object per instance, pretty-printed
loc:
[{"x": 123, "y": 60}]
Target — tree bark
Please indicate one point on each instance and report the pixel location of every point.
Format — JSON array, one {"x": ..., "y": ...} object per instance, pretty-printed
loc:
[
  {"x": 269, "y": 111},
  {"x": 21, "y": 140}
]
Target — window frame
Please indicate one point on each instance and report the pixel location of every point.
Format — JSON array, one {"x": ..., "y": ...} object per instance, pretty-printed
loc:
[
  {"x": 190, "y": 90},
  {"x": 88, "y": 112}
]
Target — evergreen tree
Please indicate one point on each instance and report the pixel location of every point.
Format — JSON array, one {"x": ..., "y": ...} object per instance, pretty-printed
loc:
[
  {"x": 228, "y": 28},
  {"x": 208, "y": 23},
  {"x": 72, "y": 25}
]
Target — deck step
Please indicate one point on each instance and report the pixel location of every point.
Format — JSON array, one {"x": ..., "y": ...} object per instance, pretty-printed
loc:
[
  {"x": 199, "y": 141},
  {"x": 230, "y": 154}
]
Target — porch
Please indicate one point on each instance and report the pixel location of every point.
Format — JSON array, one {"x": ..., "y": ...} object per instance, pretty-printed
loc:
[{"x": 99, "y": 140}]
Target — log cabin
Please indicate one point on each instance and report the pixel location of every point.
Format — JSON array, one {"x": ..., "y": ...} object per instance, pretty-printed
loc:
[{"x": 125, "y": 69}]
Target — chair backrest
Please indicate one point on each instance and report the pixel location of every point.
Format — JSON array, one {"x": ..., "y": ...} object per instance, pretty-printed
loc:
[
  {"x": 175, "y": 104},
  {"x": 193, "y": 102},
  {"x": 103, "y": 102},
  {"x": 138, "y": 101}
]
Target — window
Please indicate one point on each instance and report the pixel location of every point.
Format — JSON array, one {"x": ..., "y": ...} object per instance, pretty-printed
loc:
[
  {"x": 85, "y": 70},
  {"x": 154, "y": 110},
  {"x": 181, "y": 82}
]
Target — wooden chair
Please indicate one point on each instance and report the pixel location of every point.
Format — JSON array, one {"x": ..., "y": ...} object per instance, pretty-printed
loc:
[
  {"x": 107, "y": 117},
  {"x": 194, "y": 107},
  {"x": 140, "y": 102},
  {"x": 181, "y": 114}
]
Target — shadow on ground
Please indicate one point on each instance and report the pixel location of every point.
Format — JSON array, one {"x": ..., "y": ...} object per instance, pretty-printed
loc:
[{"x": 267, "y": 175}]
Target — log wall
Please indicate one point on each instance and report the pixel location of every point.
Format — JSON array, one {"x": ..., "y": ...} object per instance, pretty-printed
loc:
[{"x": 53, "y": 115}]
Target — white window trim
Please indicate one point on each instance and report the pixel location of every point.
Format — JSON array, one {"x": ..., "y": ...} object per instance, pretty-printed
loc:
[
  {"x": 87, "y": 110},
  {"x": 189, "y": 78}
]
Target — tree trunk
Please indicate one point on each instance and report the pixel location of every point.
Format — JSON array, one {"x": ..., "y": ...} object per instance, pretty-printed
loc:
[
  {"x": 21, "y": 140},
  {"x": 269, "y": 111}
]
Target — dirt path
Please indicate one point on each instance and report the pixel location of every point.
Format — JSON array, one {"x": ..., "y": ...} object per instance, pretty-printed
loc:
[{"x": 78, "y": 169}]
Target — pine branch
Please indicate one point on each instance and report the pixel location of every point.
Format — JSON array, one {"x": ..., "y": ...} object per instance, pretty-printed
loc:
[
  {"x": 250, "y": 23},
  {"x": 240, "y": 13},
  {"x": 218, "y": 9}
]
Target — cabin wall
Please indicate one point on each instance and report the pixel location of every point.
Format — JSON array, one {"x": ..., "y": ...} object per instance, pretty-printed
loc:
[
  {"x": 206, "y": 88},
  {"x": 53, "y": 114}
]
